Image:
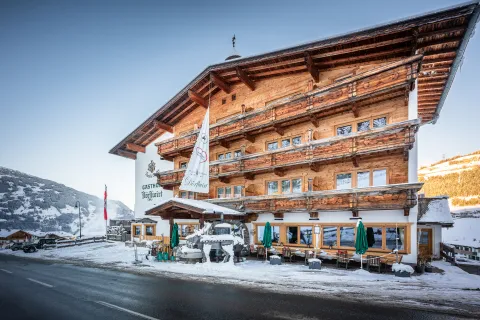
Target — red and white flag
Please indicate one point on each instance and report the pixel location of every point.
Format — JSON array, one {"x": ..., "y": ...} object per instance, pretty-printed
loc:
[{"x": 105, "y": 216}]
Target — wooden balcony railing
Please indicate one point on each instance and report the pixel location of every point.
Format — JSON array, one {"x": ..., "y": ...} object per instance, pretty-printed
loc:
[
  {"x": 389, "y": 197},
  {"x": 399, "y": 136},
  {"x": 309, "y": 106}
]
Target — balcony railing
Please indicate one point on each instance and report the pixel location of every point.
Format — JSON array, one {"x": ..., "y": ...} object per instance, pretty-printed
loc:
[
  {"x": 389, "y": 197},
  {"x": 312, "y": 105},
  {"x": 398, "y": 136}
]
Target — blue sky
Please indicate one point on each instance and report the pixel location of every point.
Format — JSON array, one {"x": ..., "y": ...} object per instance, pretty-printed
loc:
[{"x": 77, "y": 76}]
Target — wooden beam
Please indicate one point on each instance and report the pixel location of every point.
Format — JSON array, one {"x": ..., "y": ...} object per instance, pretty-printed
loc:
[
  {"x": 127, "y": 154},
  {"x": 441, "y": 31},
  {"x": 249, "y": 176},
  {"x": 278, "y": 129},
  {"x": 363, "y": 47},
  {"x": 185, "y": 154},
  {"x": 224, "y": 143},
  {"x": 438, "y": 41},
  {"x": 315, "y": 121},
  {"x": 355, "y": 161},
  {"x": 279, "y": 172},
  {"x": 406, "y": 212},
  {"x": 224, "y": 179},
  {"x": 315, "y": 167},
  {"x": 355, "y": 111},
  {"x": 195, "y": 97},
  {"x": 249, "y": 137},
  {"x": 242, "y": 75},
  {"x": 355, "y": 213},
  {"x": 163, "y": 126},
  {"x": 135, "y": 147},
  {"x": 220, "y": 82},
  {"x": 312, "y": 69}
]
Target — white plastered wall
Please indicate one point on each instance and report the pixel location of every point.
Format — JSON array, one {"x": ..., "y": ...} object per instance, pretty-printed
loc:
[{"x": 147, "y": 193}]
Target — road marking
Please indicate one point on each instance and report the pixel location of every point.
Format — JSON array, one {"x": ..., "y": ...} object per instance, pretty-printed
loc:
[
  {"x": 6, "y": 271},
  {"x": 106, "y": 304},
  {"x": 39, "y": 282}
]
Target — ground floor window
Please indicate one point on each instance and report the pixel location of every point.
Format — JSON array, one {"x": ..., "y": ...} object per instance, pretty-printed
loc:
[
  {"x": 374, "y": 237},
  {"x": 138, "y": 230},
  {"x": 395, "y": 237},
  {"x": 149, "y": 230},
  {"x": 347, "y": 236},
  {"x": 275, "y": 234},
  {"x": 185, "y": 229}
]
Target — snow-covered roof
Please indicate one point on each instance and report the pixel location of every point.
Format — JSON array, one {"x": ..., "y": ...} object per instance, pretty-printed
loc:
[
  {"x": 205, "y": 207},
  {"x": 435, "y": 211}
]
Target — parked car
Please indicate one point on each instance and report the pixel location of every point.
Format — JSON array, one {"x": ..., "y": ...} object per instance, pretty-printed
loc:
[
  {"x": 16, "y": 246},
  {"x": 40, "y": 244}
]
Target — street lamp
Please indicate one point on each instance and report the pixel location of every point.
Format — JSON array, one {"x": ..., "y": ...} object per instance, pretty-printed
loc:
[{"x": 77, "y": 205}]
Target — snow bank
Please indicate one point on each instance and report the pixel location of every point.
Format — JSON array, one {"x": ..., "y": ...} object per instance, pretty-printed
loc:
[
  {"x": 275, "y": 257},
  {"x": 400, "y": 267}
]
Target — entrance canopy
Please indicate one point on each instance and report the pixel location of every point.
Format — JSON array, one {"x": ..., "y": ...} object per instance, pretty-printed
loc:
[{"x": 180, "y": 208}]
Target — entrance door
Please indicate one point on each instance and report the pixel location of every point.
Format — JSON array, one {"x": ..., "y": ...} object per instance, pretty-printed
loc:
[{"x": 425, "y": 242}]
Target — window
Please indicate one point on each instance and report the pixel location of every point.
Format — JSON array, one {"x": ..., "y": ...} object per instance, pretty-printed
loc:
[
  {"x": 272, "y": 187},
  {"x": 183, "y": 165},
  {"x": 344, "y": 181},
  {"x": 380, "y": 122},
  {"x": 187, "y": 229},
  {"x": 330, "y": 236},
  {"x": 380, "y": 177},
  {"x": 344, "y": 131},
  {"x": 187, "y": 195},
  {"x": 272, "y": 146},
  {"x": 292, "y": 235},
  {"x": 363, "y": 126},
  {"x": 234, "y": 97},
  {"x": 393, "y": 235},
  {"x": 363, "y": 179},
  {"x": 138, "y": 230},
  {"x": 237, "y": 191},
  {"x": 374, "y": 237},
  {"x": 287, "y": 186},
  {"x": 296, "y": 185},
  {"x": 226, "y": 192},
  {"x": 149, "y": 230},
  {"x": 284, "y": 143},
  {"x": 228, "y": 155},
  {"x": 306, "y": 235},
  {"x": 347, "y": 236},
  {"x": 224, "y": 101},
  {"x": 275, "y": 234}
]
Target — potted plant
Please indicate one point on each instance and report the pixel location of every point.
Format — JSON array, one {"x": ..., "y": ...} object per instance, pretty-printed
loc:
[
  {"x": 421, "y": 263},
  {"x": 428, "y": 265}
]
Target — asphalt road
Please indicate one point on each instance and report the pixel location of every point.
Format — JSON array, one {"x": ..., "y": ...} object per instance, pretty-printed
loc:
[{"x": 41, "y": 290}]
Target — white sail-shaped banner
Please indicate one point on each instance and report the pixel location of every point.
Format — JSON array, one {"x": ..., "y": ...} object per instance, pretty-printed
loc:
[{"x": 196, "y": 177}]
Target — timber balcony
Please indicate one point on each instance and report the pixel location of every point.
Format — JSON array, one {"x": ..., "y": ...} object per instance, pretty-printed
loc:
[
  {"x": 398, "y": 137},
  {"x": 389, "y": 197},
  {"x": 384, "y": 82}
]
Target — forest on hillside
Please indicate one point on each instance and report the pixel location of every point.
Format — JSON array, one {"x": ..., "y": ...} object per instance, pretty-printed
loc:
[{"x": 463, "y": 184}]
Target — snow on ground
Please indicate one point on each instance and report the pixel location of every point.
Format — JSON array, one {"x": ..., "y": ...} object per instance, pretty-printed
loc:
[
  {"x": 465, "y": 232},
  {"x": 454, "y": 289}
]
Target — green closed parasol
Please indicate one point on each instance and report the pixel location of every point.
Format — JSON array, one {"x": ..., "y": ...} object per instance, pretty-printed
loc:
[
  {"x": 361, "y": 243},
  {"x": 267, "y": 238},
  {"x": 174, "y": 240}
]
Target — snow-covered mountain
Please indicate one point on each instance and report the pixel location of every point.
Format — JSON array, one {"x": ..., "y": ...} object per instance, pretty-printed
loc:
[
  {"x": 31, "y": 203},
  {"x": 458, "y": 177}
]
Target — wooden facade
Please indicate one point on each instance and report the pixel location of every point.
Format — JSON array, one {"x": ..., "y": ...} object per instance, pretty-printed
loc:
[
  {"x": 314, "y": 129},
  {"x": 440, "y": 38}
]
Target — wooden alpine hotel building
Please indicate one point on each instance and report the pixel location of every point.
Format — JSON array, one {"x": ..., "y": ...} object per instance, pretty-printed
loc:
[{"x": 316, "y": 134}]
